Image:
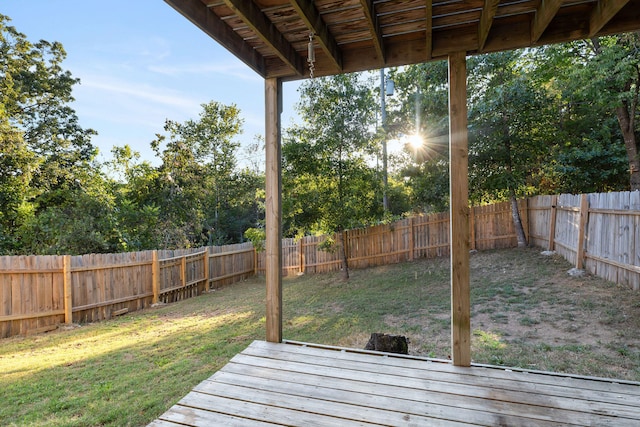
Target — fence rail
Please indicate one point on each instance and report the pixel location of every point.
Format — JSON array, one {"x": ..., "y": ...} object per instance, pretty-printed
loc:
[{"x": 598, "y": 232}]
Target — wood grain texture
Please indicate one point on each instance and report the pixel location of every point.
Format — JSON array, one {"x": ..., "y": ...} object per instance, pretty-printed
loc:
[
  {"x": 459, "y": 211},
  {"x": 306, "y": 384}
]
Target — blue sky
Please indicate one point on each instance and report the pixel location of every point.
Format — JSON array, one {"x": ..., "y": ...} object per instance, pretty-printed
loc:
[{"x": 141, "y": 62}]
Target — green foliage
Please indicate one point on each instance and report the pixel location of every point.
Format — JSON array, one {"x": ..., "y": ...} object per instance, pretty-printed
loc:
[
  {"x": 257, "y": 237},
  {"x": 196, "y": 176},
  {"x": 562, "y": 118},
  {"x": 56, "y": 198},
  {"x": 596, "y": 86},
  {"x": 509, "y": 123},
  {"x": 327, "y": 183}
]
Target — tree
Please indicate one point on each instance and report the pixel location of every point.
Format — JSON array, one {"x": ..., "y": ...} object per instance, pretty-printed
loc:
[
  {"x": 48, "y": 159},
  {"x": 16, "y": 167},
  {"x": 420, "y": 109},
  {"x": 508, "y": 123},
  {"x": 196, "y": 179},
  {"x": 134, "y": 190},
  {"x": 328, "y": 185},
  {"x": 599, "y": 83}
]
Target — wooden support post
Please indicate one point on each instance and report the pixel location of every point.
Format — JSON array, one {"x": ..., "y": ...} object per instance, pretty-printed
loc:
[
  {"x": 207, "y": 283},
  {"x": 66, "y": 282},
  {"x": 273, "y": 207},
  {"x": 459, "y": 205},
  {"x": 584, "y": 220},
  {"x": 155, "y": 277},
  {"x": 552, "y": 222}
]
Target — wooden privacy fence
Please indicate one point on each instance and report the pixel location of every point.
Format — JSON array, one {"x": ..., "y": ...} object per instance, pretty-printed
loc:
[
  {"x": 596, "y": 232},
  {"x": 38, "y": 293},
  {"x": 425, "y": 236}
]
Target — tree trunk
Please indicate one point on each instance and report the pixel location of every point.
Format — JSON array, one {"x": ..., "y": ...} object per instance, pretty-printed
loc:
[
  {"x": 631, "y": 145},
  {"x": 517, "y": 221},
  {"x": 343, "y": 255},
  {"x": 626, "y": 119}
]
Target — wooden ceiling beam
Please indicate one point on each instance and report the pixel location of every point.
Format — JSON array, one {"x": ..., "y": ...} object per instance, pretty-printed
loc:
[
  {"x": 486, "y": 19},
  {"x": 374, "y": 26},
  {"x": 200, "y": 15},
  {"x": 429, "y": 30},
  {"x": 544, "y": 15},
  {"x": 312, "y": 19},
  {"x": 603, "y": 12},
  {"x": 253, "y": 17}
]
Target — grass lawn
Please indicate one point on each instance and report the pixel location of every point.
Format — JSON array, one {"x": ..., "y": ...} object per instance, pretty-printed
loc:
[{"x": 527, "y": 312}]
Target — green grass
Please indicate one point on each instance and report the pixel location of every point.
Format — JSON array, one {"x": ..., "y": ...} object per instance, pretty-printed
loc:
[{"x": 125, "y": 372}]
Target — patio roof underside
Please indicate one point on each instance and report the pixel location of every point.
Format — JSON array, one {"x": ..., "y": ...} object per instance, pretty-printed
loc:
[{"x": 271, "y": 36}]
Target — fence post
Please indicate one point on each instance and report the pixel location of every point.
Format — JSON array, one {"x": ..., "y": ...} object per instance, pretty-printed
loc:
[
  {"x": 472, "y": 227},
  {"x": 552, "y": 222},
  {"x": 345, "y": 244},
  {"x": 255, "y": 261},
  {"x": 584, "y": 220},
  {"x": 301, "y": 252},
  {"x": 525, "y": 226},
  {"x": 183, "y": 270},
  {"x": 206, "y": 270},
  {"x": 66, "y": 280},
  {"x": 155, "y": 277},
  {"x": 411, "y": 244}
]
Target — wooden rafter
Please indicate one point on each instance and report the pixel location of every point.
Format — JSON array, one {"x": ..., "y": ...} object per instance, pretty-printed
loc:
[
  {"x": 603, "y": 13},
  {"x": 253, "y": 17},
  {"x": 374, "y": 27},
  {"x": 311, "y": 17},
  {"x": 544, "y": 15},
  {"x": 200, "y": 15},
  {"x": 429, "y": 30},
  {"x": 486, "y": 19},
  {"x": 356, "y": 35}
]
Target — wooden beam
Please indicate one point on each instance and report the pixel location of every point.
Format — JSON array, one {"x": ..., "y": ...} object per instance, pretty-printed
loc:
[
  {"x": 312, "y": 19},
  {"x": 459, "y": 211},
  {"x": 486, "y": 19},
  {"x": 374, "y": 27},
  {"x": 251, "y": 15},
  {"x": 273, "y": 207},
  {"x": 200, "y": 15},
  {"x": 429, "y": 30},
  {"x": 544, "y": 15},
  {"x": 603, "y": 12}
]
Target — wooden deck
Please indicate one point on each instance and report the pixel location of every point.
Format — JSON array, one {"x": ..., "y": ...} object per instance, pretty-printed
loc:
[{"x": 308, "y": 385}]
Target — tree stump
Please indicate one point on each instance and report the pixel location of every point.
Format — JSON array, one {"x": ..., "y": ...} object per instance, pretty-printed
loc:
[{"x": 388, "y": 343}]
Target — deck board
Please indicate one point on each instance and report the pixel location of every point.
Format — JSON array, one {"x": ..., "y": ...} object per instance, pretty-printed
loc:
[{"x": 306, "y": 385}]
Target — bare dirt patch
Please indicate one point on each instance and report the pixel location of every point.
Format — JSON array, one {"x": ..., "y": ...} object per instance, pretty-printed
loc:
[{"x": 527, "y": 312}]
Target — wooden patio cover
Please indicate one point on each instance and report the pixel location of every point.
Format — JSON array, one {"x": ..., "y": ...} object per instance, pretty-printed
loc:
[{"x": 271, "y": 37}]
